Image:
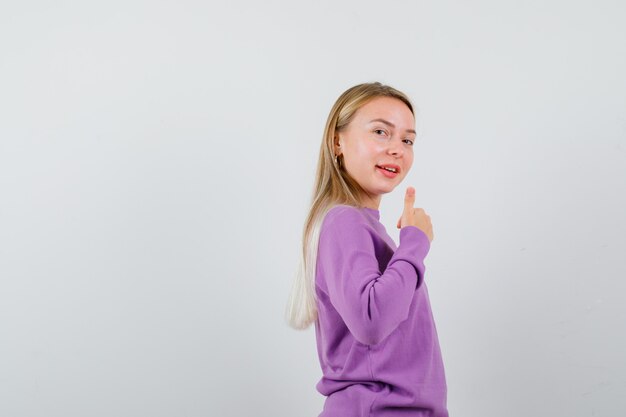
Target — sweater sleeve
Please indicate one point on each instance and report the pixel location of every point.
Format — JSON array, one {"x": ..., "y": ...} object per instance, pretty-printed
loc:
[{"x": 372, "y": 303}]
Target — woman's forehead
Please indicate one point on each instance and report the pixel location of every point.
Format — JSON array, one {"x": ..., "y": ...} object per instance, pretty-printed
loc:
[{"x": 389, "y": 109}]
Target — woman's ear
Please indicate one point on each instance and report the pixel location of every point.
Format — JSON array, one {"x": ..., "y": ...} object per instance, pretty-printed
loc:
[{"x": 336, "y": 141}]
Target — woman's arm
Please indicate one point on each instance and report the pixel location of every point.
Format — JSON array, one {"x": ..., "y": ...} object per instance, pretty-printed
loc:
[{"x": 371, "y": 303}]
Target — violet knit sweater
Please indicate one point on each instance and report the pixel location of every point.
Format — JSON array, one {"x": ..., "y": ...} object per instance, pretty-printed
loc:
[{"x": 376, "y": 337}]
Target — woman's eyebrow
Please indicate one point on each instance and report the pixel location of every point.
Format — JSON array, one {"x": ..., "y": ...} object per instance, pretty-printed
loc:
[{"x": 388, "y": 123}]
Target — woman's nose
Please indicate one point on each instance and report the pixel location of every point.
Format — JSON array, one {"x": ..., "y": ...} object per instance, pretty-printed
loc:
[{"x": 395, "y": 147}]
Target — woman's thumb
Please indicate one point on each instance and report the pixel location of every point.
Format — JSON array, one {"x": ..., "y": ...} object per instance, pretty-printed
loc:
[{"x": 409, "y": 199}]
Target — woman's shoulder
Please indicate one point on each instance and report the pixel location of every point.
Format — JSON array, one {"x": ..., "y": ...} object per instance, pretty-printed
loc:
[
  {"x": 341, "y": 214},
  {"x": 344, "y": 210}
]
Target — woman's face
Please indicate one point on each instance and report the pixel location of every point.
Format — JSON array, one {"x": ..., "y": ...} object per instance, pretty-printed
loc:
[{"x": 381, "y": 133}]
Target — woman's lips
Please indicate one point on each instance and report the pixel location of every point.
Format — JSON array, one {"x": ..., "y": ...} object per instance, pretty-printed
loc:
[{"x": 386, "y": 173}]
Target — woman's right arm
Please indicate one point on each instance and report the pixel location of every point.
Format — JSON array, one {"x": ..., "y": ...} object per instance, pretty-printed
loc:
[{"x": 372, "y": 303}]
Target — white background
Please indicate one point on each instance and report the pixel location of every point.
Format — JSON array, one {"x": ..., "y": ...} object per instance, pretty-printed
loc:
[{"x": 156, "y": 166}]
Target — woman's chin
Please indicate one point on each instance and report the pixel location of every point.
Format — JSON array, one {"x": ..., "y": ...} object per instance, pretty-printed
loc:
[{"x": 385, "y": 190}]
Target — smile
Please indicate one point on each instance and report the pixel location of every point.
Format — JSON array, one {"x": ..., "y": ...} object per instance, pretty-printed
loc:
[
  {"x": 387, "y": 171},
  {"x": 390, "y": 167}
]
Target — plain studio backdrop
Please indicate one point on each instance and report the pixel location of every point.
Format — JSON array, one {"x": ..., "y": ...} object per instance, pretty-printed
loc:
[{"x": 157, "y": 162}]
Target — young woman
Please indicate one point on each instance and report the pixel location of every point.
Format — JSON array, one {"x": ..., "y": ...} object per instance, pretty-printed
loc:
[{"x": 376, "y": 337}]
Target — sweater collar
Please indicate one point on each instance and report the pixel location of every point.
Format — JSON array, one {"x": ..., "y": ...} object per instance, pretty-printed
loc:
[{"x": 375, "y": 213}]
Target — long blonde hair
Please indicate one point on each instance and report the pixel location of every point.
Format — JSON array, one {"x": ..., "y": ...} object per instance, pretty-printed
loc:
[{"x": 333, "y": 185}]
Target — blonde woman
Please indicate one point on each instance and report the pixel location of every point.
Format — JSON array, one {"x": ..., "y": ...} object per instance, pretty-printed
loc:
[{"x": 376, "y": 337}]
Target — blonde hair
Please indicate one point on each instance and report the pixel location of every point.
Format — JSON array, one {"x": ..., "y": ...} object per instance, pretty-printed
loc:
[{"x": 333, "y": 186}]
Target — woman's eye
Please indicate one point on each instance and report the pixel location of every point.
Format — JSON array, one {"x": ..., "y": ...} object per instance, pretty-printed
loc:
[
  {"x": 410, "y": 141},
  {"x": 379, "y": 130}
]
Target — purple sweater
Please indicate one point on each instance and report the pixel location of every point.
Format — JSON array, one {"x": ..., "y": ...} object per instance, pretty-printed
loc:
[{"x": 376, "y": 337}]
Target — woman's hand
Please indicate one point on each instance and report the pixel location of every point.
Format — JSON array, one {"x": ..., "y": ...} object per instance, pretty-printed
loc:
[{"x": 415, "y": 216}]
